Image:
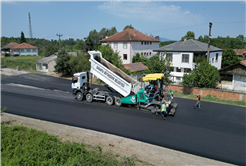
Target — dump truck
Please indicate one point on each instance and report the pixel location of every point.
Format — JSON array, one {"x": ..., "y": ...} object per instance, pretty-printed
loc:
[
  {"x": 127, "y": 90},
  {"x": 122, "y": 83}
]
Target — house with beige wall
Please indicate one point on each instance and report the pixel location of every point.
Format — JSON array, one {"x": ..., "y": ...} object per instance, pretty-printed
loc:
[{"x": 129, "y": 42}]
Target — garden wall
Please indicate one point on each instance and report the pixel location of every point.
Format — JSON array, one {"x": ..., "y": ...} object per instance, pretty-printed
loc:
[{"x": 221, "y": 94}]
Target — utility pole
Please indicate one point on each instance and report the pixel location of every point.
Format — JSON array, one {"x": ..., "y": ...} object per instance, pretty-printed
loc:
[
  {"x": 30, "y": 27},
  {"x": 59, "y": 40},
  {"x": 208, "y": 53}
]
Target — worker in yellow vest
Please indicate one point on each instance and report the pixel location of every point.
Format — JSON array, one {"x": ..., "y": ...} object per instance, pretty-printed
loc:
[{"x": 163, "y": 110}]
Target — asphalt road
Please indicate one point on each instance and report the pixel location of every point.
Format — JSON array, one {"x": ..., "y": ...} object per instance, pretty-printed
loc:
[{"x": 215, "y": 131}]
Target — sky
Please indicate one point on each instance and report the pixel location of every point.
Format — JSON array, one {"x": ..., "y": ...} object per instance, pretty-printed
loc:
[{"x": 167, "y": 19}]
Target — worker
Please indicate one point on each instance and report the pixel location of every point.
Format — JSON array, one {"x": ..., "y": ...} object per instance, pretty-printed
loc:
[
  {"x": 163, "y": 110},
  {"x": 198, "y": 99},
  {"x": 170, "y": 92}
]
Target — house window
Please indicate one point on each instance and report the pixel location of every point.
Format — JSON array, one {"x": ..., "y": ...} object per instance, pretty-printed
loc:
[
  {"x": 141, "y": 43},
  {"x": 141, "y": 54},
  {"x": 178, "y": 78},
  {"x": 28, "y": 50},
  {"x": 169, "y": 56},
  {"x": 147, "y": 43},
  {"x": 144, "y": 53},
  {"x": 186, "y": 70},
  {"x": 185, "y": 58},
  {"x": 144, "y": 43},
  {"x": 212, "y": 60},
  {"x": 178, "y": 70},
  {"x": 150, "y": 54},
  {"x": 125, "y": 56},
  {"x": 150, "y": 43},
  {"x": 217, "y": 54},
  {"x": 125, "y": 45},
  {"x": 115, "y": 45},
  {"x": 147, "y": 54}
]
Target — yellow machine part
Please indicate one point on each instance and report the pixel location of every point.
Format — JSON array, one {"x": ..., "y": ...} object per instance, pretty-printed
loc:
[{"x": 153, "y": 77}]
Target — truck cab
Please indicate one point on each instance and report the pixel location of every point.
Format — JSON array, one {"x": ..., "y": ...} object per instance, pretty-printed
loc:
[{"x": 80, "y": 83}]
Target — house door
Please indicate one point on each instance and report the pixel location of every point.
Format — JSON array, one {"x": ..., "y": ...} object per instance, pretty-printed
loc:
[{"x": 239, "y": 83}]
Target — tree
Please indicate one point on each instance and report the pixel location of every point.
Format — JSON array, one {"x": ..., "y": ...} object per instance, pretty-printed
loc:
[
  {"x": 23, "y": 39},
  {"x": 107, "y": 52},
  {"x": 116, "y": 60},
  {"x": 62, "y": 62},
  {"x": 128, "y": 26},
  {"x": 158, "y": 64},
  {"x": 79, "y": 63},
  {"x": 111, "y": 56},
  {"x": 80, "y": 45},
  {"x": 189, "y": 35},
  {"x": 204, "y": 76},
  {"x": 139, "y": 58},
  {"x": 229, "y": 58}
]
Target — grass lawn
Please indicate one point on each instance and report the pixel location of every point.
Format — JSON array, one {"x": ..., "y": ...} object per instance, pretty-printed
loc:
[
  {"x": 27, "y": 63},
  {"x": 23, "y": 146},
  {"x": 209, "y": 98}
]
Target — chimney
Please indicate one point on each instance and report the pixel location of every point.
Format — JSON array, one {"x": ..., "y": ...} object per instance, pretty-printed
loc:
[
  {"x": 106, "y": 37},
  {"x": 184, "y": 38},
  {"x": 146, "y": 34},
  {"x": 135, "y": 34}
]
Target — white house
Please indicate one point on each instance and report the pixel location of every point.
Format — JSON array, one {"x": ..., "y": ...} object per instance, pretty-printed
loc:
[
  {"x": 14, "y": 49},
  {"x": 183, "y": 54},
  {"x": 129, "y": 42}
]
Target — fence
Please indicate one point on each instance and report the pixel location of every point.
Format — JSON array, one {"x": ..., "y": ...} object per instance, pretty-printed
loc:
[{"x": 218, "y": 93}]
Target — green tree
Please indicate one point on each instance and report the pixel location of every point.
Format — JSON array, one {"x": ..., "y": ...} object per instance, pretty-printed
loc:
[
  {"x": 204, "y": 76},
  {"x": 128, "y": 26},
  {"x": 23, "y": 39},
  {"x": 62, "y": 62},
  {"x": 107, "y": 52},
  {"x": 158, "y": 64},
  {"x": 111, "y": 56},
  {"x": 80, "y": 45},
  {"x": 79, "y": 63},
  {"x": 189, "y": 35},
  {"x": 116, "y": 60},
  {"x": 49, "y": 50},
  {"x": 139, "y": 58},
  {"x": 229, "y": 58}
]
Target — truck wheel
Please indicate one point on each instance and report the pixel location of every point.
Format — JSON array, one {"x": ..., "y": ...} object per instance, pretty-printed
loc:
[
  {"x": 89, "y": 97},
  {"x": 79, "y": 96},
  {"x": 109, "y": 100},
  {"x": 117, "y": 101}
]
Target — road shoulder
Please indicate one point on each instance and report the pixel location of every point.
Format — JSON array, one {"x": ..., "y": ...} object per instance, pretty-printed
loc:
[{"x": 153, "y": 154}]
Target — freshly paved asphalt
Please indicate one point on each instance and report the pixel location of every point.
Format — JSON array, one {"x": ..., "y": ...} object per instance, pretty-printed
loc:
[{"x": 215, "y": 131}]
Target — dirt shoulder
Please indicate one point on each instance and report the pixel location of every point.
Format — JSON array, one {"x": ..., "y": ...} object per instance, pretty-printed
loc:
[{"x": 120, "y": 146}]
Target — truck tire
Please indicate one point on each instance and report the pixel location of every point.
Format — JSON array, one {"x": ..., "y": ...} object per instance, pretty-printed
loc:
[
  {"x": 79, "y": 96},
  {"x": 89, "y": 97},
  {"x": 109, "y": 100},
  {"x": 117, "y": 101}
]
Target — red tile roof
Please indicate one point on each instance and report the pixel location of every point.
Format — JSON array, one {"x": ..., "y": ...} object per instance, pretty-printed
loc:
[
  {"x": 133, "y": 67},
  {"x": 14, "y": 45},
  {"x": 129, "y": 35},
  {"x": 22, "y": 46},
  {"x": 239, "y": 51},
  {"x": 10, "y": 45},
  {"x": 243, "y": 62}
]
